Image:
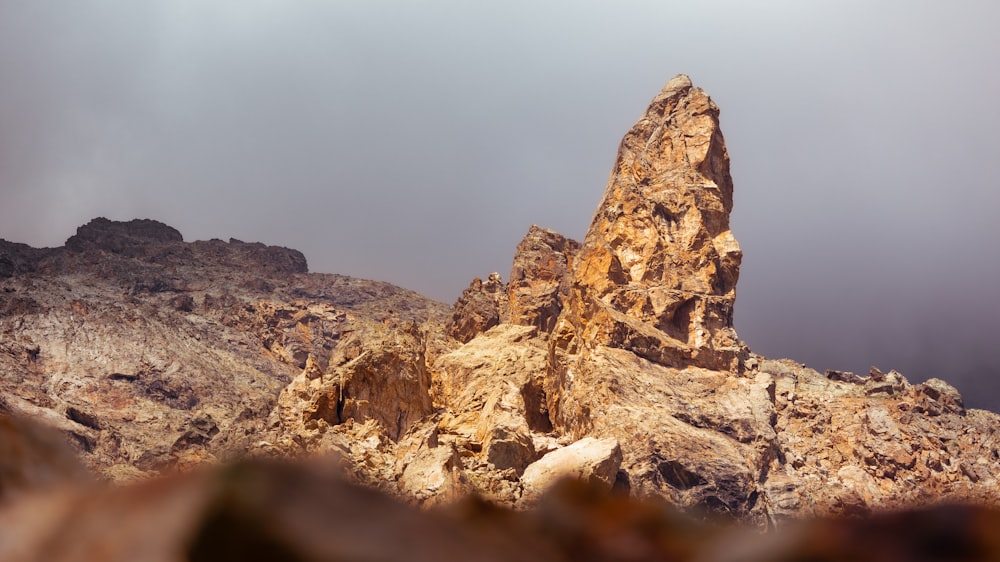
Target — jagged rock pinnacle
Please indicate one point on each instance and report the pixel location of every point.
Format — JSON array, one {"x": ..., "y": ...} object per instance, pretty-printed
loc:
[{"x": 657, "y": 271}]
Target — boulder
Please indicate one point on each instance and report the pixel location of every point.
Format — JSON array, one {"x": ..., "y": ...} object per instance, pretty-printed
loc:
[
  {"x": 376, "y": 373},
  {"x": 435, "y": 475},
  {"x": 589, "y": 459}
]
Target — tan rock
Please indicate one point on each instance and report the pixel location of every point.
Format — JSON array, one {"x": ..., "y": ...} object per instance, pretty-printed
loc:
[
  {"x": 377, "y": 372},
  {"x": 388, "y": 381},
  {"x": 875, "y": 443},
  {"x": 490, "y": 388},
  {"x": 149, "y": 354},
  {"x": 540, "y": 278},
  {"x": 589, "y": 459},
  {"x": 657, "y": 270},
  {"x": 696, "y": 436},
  {"x": 481, "y": 306},
  {"x": 435, "y": 475},
  {"x": 128, "y": 336}
]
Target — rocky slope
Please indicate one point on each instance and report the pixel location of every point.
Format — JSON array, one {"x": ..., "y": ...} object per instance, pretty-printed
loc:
[
  {"x": 263, "y": 511},
  {"x": 153, "y": 353},
  {"x": 613, "y": 360}
]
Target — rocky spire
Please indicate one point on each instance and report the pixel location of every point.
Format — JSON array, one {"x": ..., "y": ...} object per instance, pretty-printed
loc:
[{"x": 657, "y": 271}]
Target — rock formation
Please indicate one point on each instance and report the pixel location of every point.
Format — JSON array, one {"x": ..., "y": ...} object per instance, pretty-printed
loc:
[
  {"x": 306, "y": 511},
  {"x": 637, "y": 321},
  {"x": 657, "y": 271},
  {"x": 152, "y": 354},
  {"x": 481, "y": 306},
  {"x": 540, "y": 278},
  {"x": 614, "y": 360}
]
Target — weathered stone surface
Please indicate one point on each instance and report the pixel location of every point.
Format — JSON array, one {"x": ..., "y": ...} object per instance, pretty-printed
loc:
[
  {"x": 657, "y": 271},
  {"x": 129, "y": 340},
  {"x": 593, "y": 460},
  {"x": 481, "y": 306},
  {"x": 876, "y": 444},
  {"x": 435, "y": 475},
  {"x": 644, "y": 351},
  {"x": 377, "y": 372},
  {"x": 540, "y": 278},
  {"x": 696, "y": 436},
  {"x": 490, "y": 389},
  {"x": 33, "y": 458}
]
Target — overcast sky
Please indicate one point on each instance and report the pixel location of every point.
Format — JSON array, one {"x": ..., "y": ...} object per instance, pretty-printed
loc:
[{"x": 416, "y": 141}]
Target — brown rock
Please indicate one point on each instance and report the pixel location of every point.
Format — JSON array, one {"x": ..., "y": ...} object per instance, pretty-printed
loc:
[
  {"x": 377, "y": 373},
  {"x": 589, "y": 459},
  {"x": 657, "y": 271},
  {"x": 481, "y": 306},
  {"x": 935, "y": 396},
  {"x": 248, "y": 512},
  {"x": 540, "y": 278},
  {"x": 34, "y": 458},
  {"x": 304, "y": 512}
]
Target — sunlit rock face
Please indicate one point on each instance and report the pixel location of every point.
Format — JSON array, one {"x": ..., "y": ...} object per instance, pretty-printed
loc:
[
  {"x": 657, "y": 271},
  {"x": 540, "y": 278}
]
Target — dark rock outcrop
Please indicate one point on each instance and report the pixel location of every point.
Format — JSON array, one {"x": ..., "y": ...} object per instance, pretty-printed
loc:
[
  {"x": 130, "y": 238},
  {"x": 19, "y": 259}
]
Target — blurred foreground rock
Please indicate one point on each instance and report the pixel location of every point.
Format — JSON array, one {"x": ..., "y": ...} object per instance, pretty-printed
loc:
[{"x": 306, "y": 511}]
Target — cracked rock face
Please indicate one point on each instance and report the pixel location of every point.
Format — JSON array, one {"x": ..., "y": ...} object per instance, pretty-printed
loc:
[
  {"x": 540, "y": 278},
  {"x": 152, "y": 354},
  {"x": 657, "y": 271},
  {"x": 482, "y": 305}
]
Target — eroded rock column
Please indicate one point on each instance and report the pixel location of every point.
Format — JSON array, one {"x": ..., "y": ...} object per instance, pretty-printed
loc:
[{"x": 657, "y": 271}]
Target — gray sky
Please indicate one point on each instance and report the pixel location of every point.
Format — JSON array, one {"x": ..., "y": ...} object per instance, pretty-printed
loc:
[{"x": 416, "y": 141}]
